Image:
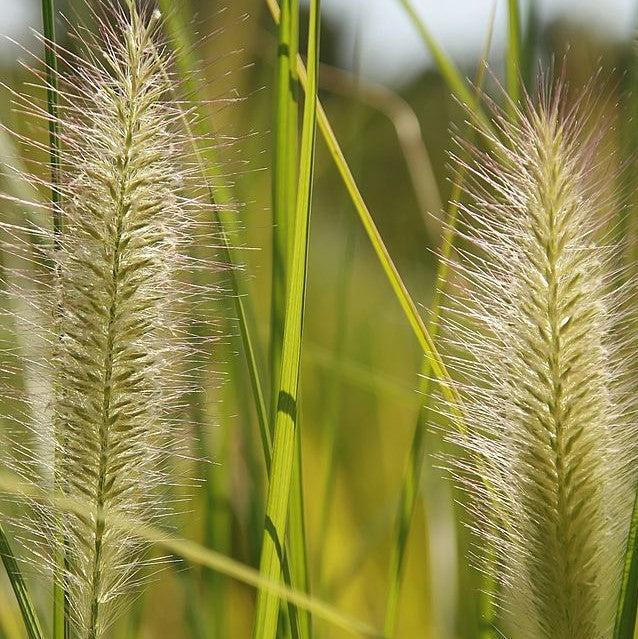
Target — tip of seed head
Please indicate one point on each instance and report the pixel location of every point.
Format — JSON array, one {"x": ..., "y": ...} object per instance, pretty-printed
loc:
[{"x": 157, "y": 14}]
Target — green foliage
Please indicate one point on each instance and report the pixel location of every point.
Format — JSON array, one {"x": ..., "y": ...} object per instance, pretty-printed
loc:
[
  {"x": 628, "y": 596},
  {"x": 332, "y": 438},
  {"x": 20, "y": 589}
]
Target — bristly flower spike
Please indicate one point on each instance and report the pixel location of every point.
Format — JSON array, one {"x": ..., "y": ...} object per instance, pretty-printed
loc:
[
  {"x": 119, "y": 288},
  {"x": 551, "y": 438}
]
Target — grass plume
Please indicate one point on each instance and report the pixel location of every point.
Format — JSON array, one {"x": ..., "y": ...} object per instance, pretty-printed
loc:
[
  {"x": 545, "y": 398},
  {"x": 112, "y": 295},
  {"x": 119, "y": 348}
]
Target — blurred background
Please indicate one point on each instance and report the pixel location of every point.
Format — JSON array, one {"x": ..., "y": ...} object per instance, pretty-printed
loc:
[{"x": 395, "y": 118}]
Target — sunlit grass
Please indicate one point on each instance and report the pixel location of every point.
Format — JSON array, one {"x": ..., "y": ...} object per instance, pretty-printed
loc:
[{"x": 317, "y": 421}]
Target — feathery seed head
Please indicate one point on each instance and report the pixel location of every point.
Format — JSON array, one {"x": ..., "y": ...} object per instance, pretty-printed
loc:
[
  {"x": 115, "y": 331},
  {"x": 122, "y": 220},
  {"x": 549, "y": 434}
]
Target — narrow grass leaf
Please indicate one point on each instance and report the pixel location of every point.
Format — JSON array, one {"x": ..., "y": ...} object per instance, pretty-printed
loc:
[
  {"x": 60, "y": 604},
  {"x": 296, "y": 550},
  {"x": 406, "y": 302},
  {"x": 284, "y": 192},
  {"x": 51, "y": 61},
  {"x": 192, "y": 552},
  {"x": 284, "y": 176},
  {"x": 29, "y": 615},
  {"x": 628, "y": 598},
  {"x": 286, "y": 424}
]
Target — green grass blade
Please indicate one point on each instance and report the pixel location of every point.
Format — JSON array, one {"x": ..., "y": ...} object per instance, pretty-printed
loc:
[
  {"x": 284, "y": 192},
  {"x": 398, "y": 286},
  {"x": 193, "y": 553},
  {"x": 296, "y": 551},
  {"x": 60, "y": 603},
  {"x": 286, "y": 424},
  {"x": 513, "y": 56},
  {"x": 284, "y": 176},
  {"x": 191, "y": 77},
  {"x": 400, "y": 290},
  {"x": 446, "y": 67},
  {"x": 628, "y": 598},
  {"x": 29, "y": 616},
  {"x": 410, "y": 487},
  {"x": 50, "y": 58}
]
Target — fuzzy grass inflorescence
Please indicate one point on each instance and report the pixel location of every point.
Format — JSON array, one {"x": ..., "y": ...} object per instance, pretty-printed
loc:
[
  {"x": 118, "y": 285},
  {"x": 114, "y": 295},
  {"x": 550, "y": 439}
]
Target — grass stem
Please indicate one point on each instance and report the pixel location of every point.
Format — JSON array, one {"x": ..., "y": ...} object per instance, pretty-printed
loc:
[
  {"x": 60, "y": 602},
  {"x": 628, "y": 596}
]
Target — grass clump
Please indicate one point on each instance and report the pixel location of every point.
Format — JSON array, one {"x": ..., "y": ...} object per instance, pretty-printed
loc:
[{"x": 102, "y": 314}]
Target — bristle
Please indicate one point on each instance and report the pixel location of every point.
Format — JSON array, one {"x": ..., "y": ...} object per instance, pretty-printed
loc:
[{"x": 549, "y": 435}]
